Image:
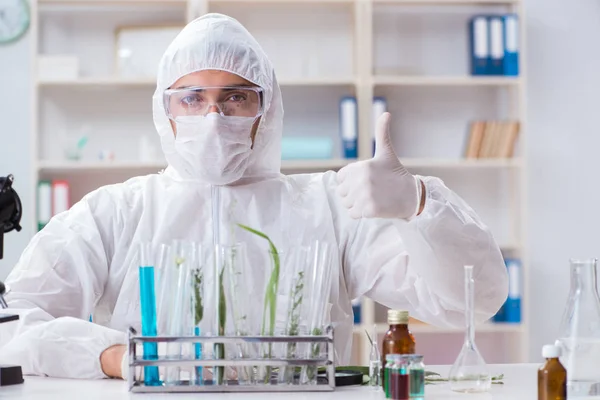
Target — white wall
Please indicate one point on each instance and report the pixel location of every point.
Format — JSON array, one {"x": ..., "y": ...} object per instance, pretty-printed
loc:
[
  {"x": 564, "y": 196},
  {"x": 15, "y": 127},
  {"x": 564, "y": 181}
]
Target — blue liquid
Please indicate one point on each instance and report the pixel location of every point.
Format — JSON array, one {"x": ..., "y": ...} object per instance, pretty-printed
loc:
[
  {"x": 148, "y": 305},
  {"x": 198, "y": 354},
  {"x": 417, "y": 384}
]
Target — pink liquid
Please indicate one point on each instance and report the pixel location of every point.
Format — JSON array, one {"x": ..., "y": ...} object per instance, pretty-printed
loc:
[{"x": 399, "y": 389}]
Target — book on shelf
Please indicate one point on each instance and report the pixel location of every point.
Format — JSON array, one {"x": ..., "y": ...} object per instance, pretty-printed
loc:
[
  {"x": 492, "y": 139},
  {"x": 53, "y": 197}
]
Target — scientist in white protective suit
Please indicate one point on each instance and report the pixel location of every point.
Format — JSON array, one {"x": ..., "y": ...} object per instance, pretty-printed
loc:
[{"x": 399, "y": 239}]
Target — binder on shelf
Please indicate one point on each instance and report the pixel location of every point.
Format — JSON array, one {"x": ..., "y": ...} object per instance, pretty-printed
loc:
[
  {"x": 513, "y": 302},
  {"x": 510, "y": 312},
  {"x": 496, "y": 32},
  {"x": 349, "y": 126},
  {"x": 479, "y": 45},
  {"x": 511, "y": 45},
  {"x": 44, "y": 204},
  {"x": 379, "y": 107},
  {"x": 501, "y": 314},
  {"x": 60, "y": 197}
]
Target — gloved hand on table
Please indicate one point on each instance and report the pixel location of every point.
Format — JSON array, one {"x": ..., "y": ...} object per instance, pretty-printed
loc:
[{"x": 381, "y": 187}]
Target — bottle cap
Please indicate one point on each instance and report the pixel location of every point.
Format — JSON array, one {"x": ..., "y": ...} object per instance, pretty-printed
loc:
[
  {"x": 551, "y": 351},
  {"x": 396, "y": 317}
]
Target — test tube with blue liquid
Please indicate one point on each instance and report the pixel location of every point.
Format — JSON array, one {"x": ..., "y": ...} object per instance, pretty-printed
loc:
[{"x": 148, "y": 306}]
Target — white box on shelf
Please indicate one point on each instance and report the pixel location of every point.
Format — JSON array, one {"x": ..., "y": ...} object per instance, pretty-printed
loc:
[
  {"x": 58, "y": 67},
  {"x": 139, "y": 49}
]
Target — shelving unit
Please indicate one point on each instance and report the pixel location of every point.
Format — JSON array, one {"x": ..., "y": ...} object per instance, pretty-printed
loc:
[
  {"x": 322, "y": 50},
  {"x": 444, "y": 81}
]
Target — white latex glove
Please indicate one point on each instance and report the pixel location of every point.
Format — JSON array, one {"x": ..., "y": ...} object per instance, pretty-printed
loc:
[{"x": 380, "y": 187}]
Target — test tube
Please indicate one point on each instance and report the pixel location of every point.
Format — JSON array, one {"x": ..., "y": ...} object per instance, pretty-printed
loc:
[
  {"x": 399, "y": 378},
  {"x": 148, "y": 308},
  {"x": 417, "y": 377}
]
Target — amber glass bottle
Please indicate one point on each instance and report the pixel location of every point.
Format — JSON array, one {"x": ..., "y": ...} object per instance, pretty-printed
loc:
[
  {"x": 398, "y": 339},
  {"x": 552, "y": 376}
]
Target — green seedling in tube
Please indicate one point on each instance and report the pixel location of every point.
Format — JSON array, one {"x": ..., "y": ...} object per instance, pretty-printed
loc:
[
  {"x": 220, "y": 347},
  {"x": 270, "y": 303}
]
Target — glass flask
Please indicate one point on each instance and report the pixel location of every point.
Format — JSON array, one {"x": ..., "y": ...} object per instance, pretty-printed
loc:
[
  {"x": 469, "y": 373},
  {"x": 579, "y": 335}
]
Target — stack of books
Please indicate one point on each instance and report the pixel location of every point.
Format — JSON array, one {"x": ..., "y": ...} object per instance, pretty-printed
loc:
[{"x": 492, "y": 139}]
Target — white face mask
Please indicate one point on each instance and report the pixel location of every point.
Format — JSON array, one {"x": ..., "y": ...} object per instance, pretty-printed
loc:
[{"x": 213, "y": 148}]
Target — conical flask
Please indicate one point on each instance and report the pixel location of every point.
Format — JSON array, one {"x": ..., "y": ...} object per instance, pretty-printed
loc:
[
  {"x": 469, "y": 373},
  {"x": 579, "y": 335}
]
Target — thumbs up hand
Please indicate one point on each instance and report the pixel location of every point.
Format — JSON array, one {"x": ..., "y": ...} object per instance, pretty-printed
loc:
[{"x": 380, "y": 187}]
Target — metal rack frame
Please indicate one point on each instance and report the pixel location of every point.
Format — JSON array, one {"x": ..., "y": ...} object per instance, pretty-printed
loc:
[{"x": 328, "y": 361}]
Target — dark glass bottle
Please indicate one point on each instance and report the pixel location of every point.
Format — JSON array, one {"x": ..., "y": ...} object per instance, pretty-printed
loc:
[
  {"x": 552, "y": 376},
  {"x": 398, "y": 339}
]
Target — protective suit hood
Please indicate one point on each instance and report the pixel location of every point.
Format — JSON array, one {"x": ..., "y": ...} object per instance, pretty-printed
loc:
[{"x": 219, "y": 42}]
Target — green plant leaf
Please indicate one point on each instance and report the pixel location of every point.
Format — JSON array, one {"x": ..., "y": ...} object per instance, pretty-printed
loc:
[{"x": 199, "y": 309}]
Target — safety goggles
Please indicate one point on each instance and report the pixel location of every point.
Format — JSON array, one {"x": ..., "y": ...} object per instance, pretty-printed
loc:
[{"x": 232, "y": 101}]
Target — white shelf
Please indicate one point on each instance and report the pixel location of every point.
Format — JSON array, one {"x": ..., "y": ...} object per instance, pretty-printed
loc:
[
  {"x": 447, "y": 2},
  {"x": 313, "y": 2},
  {"x": 326, "y": 81},
  {"x": 48, "y": 7},
  {"x": 309, "y": 165},
  {"x": 98, "y": 82},
  {"x": 183, "y": 2},
  {"x": 62, "y": 167},
  {"x": 488, "y": 327},
  {"x": 147, "y": 82},
  {"x": 314, "y": 165},
  {"x": 391, "y": 80},
  {"x": 113, "y": 2},
  {"x": 460, "y": 163}
]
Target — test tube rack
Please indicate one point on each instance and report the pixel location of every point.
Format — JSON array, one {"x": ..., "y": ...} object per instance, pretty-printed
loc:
[{"x": 325, "y": 359}]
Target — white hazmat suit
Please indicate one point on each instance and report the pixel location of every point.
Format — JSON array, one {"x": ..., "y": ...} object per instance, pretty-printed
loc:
[{"x": 84, "y": 261}]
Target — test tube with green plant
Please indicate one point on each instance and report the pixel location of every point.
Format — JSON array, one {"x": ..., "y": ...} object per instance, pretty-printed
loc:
[
  {"x": 299, "y": 260},
  {"x": 219, "y": 348},
  {"x": 198, "y": 314},
  {"x": 319, "y": 284},
  {"x": 270, "y": 302},
  {"x": 240, "y": 281}
]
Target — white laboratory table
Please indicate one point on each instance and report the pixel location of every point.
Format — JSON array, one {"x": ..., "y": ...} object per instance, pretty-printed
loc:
[{"x": 520, "y": 383}]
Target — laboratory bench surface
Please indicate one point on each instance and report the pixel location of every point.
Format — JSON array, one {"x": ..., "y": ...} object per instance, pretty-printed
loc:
[{"x": 520, "y": 383}]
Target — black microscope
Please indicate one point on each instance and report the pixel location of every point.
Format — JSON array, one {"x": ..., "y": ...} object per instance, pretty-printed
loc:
[{"x": 10, "y": 217}]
